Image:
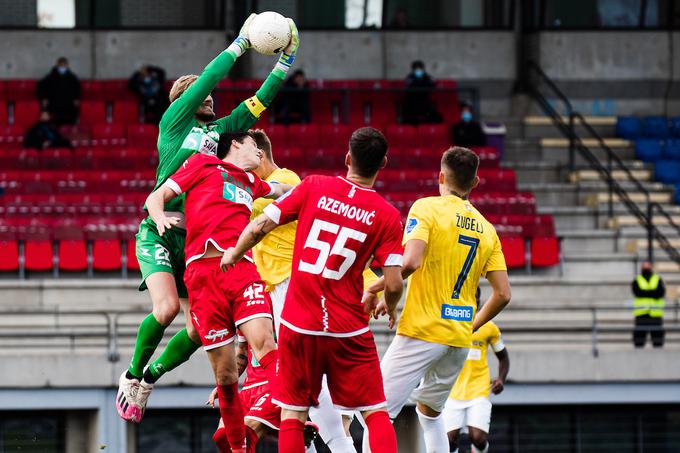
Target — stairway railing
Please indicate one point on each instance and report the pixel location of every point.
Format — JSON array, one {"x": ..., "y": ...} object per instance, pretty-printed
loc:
[{"x": 644, "y": 216}]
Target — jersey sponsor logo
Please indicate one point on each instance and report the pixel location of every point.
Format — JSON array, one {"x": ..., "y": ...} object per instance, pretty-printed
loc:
[
  {"x": 411, "y": 224},
  {"x": 474, "y": 354},
  {"x": 207, "y": 146},
  {"x": 193, "y": 140},
  {"x": 162, "y": 256},
  {"x": 346, "y": 210},
  {"x": 217, "y": 335},
  {"x": 236, "y": 194},
  {"x": 456, "y": 313},
  {"x": 470, "y": 224}
]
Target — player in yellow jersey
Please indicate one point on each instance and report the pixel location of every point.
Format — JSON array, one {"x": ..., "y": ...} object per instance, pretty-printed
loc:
[
  {"x": 274, "y": 258},
  {"x": 448, "y": 246},
  {"x": 468, "y": 404}
]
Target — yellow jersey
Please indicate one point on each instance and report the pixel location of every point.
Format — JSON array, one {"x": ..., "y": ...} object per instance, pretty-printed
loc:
[
  {"x": 461, "y": 246},
  {"x": 274, "y": 254},
  {"x": 474, "y": 379}
]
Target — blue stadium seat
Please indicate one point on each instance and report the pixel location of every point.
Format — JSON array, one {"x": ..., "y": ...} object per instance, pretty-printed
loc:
[
  {"x": 656, "y": 127},
  {"x": 648, "y": 150},
  {"x": 671, "y": 149},
  {"x": 667, "y": 171},
  {"x": 628, "y": 127},
  {"x": 675, "y": 126}
]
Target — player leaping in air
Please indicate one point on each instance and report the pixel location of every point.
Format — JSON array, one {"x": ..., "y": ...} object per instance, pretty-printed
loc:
[
  {"x": 220, "y": 191},
  {"x": 342, "y": 224},
  {"x": 187, "y": 127},
  {"x": 448, "y": 246}
]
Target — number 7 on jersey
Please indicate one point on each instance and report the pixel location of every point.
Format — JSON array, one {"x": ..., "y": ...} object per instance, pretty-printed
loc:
[{"x": 473, "y": 243}]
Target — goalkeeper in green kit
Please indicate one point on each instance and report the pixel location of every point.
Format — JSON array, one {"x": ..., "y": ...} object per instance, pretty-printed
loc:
[{"x": 187, "y": 127}]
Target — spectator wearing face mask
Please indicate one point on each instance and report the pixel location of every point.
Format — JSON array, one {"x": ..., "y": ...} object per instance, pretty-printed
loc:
[
  {"x": 418, "y": 106},
  {"x": 147, "y": 84},
  {"x": 649, "y": 292},
  {"x": 468, "y": 132},
  {"x": 59, "y": 93}
]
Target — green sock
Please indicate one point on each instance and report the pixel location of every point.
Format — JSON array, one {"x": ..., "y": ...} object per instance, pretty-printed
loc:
[
  {"x": 149, "y": 335},
  {"x": 179, "y": 349}
]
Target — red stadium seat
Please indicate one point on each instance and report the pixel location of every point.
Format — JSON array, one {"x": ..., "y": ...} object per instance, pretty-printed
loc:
[
  {"x": 402, "y": 135},
  {"x": 278, "y": 135},
  {"x": 11, "y": 136},
  {"x": 545, "y": 251},
  {"x": 514, "y": 250},
  {"x": 105, "y": 134},
  {"x": 56, "y": 158},
  {"x": 9, "y": 249},
  {"x": 26, "y": 113},
  {"x": 132, "y": 263},
  {"x": 21, "y": 89},
  {"x": 126, "y": 112},
  {"x": 92, "y": 112},
  {"x": 38, "y": 254},
  {"x": 92, "y": 90},
  {"x": 4, "y": 117},
  {"x": 142, "y": 135},
  {"x": 434, "y": 136},
  {"x": 106, "y": 255},
  {"x": 304, "y": 135},
  {"x": 116, "y": 90},
  {"x": 336, "y": 135},
  {"x": 28, "y": 159}
]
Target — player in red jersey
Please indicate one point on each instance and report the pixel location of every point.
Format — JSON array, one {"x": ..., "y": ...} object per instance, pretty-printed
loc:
[
  {"x": 219, "y": 197},
  {"x": 342, "y": 224}
]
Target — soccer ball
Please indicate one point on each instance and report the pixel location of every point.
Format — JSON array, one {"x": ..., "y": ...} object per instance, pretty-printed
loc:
[{"x": 269, "y": 33}]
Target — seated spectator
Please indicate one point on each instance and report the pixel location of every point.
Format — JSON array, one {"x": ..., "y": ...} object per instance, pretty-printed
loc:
[
  {"x": 418, "y": 106},
  {"x": 44, "y": 134},
  {"x": 147, "y": 84},
  {"x": 59, "y": 93},
  {"x": 468, "y": 132},
  {"x": 293, "y": 103}
]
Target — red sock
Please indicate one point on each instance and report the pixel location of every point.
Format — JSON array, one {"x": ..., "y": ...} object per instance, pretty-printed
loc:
[
  {"x": 251, "y": 435},
  {"x": 292, "y": 436},
  {"x": 381, "y": 436},
  {"x": 232, "y": 415},
  {"x": 220, "y": 439},
  {"x": 270, "y": 364}
]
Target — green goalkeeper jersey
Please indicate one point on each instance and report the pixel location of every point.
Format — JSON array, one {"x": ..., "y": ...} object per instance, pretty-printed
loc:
[{"x": 181, "y": 135}]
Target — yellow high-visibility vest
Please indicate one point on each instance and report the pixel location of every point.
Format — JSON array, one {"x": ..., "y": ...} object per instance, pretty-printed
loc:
[{"x": 648, "y": 305}]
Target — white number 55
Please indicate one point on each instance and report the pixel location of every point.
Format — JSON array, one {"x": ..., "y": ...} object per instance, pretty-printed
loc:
[{"x": 325, "y": 250}]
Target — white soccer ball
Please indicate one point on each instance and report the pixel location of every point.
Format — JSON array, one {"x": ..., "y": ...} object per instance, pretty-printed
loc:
[{"x": 269, "y": 33}]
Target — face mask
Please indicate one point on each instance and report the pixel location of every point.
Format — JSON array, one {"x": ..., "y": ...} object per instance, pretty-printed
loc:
[
  {"x": 419, "y": 73},
  {"x": 646, "y": 273},
  {"x": 466, "y": 116},
  {"x": 62, "y": 69}
]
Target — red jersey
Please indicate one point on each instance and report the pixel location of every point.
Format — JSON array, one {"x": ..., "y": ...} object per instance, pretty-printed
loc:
[
  {"x": 219, "y": 201},
  {"x": 341, "y": 227}
]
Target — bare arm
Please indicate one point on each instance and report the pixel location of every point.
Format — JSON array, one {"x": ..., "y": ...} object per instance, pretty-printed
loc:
[
  {"x": 279, "y": 189},
  {"x": 414, "y": 252},
  {"x": 503, "y": 369},
  {"x": 155, "y": 203},
  {"x": 251, "y": 236},
  {"x": 500, "y": 297}
]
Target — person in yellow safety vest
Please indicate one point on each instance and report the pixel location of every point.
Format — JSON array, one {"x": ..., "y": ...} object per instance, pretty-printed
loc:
[{"x": 648, "y": 307}]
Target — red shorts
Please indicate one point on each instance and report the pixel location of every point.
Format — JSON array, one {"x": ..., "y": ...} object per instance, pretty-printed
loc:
[
  {"x": 221, "y": 301},
  {"x": 258, "y": 406},
  {"x": 351, "y": 365}
]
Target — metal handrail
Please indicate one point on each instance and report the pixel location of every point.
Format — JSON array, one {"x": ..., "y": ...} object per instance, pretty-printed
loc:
[{"x": 575, "y": 143}]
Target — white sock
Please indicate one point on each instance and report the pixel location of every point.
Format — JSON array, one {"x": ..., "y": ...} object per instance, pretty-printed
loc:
[
  {"x": 310, "y": 449},
  {"x": 477, "y": 450},
  {"x": 436, "y": 440},
  {"x": 329, "y": 421}
]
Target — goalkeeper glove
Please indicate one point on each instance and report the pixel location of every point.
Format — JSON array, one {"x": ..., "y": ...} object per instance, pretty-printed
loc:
[
  {"x": 288, "y": 55},
  {"x": 242, "y": 43}
]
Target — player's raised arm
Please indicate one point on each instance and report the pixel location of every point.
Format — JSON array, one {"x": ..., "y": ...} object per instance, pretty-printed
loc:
[
  {"x": 248, "y": 112},
  {"x": 278, "y": 189},
  {"x": 251, "y": 236},
  {"x": 155, "y": 203},
  {"x": 183, "y": 108}
]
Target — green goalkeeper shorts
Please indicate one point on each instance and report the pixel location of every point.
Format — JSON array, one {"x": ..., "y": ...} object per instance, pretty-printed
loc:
[{"x": 161, "y": 254}]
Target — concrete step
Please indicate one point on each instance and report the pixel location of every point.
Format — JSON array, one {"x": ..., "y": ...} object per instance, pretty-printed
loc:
[
  {"x": 623, "y": 221},
  {"x": 557, "y": 150},
  {"x": 571, "y": 217},
  {"x": 589, "y": 240},
  {"x": 594, "y": 175},
  {"x": 587, "y": 193},
  {"x": 542, "y": 126}
]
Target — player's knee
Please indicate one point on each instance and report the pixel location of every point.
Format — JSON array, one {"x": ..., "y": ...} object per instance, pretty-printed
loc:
[
  {"x": 192, "y": 332},
  {"x": 226, "y": 376},
  {"x": 478, "y": 437},
  {"x": 264, "y": 346},
  {"x": 165, "y": 310}
]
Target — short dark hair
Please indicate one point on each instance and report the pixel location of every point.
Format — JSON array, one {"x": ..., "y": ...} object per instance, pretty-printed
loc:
[
  {"x": 417, "y": 64},
  {"x": 262, "y": 141},
  {"x": 225, "y": 142},
  {"x": 61, "y": 60},
  {"x": 368, "y": 148},
  {"x": 460, "y": 167}
]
